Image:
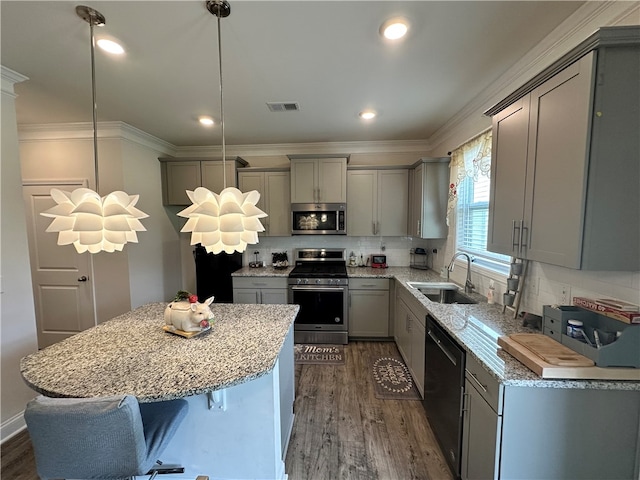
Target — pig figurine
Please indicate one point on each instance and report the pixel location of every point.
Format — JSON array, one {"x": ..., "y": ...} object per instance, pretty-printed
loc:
[{"x": 187, "y": 316}]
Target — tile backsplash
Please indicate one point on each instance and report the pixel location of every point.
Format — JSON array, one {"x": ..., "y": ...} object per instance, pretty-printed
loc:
[
  {"x": 395, "y": 248},
  {"x": 547, "y": 284},
  {"x": 544, "y": 284}
]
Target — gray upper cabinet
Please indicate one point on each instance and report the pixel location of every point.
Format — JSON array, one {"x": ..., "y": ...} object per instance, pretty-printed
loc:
[
  {"x": 565, "y": 166},
  {"x": 182, "y": 174},
  {"x": 429, "y": 196},
  {"x": 377, "y": 202},
  {"x": 273, "y": 186},
  {"x": 318, "y": 180}
]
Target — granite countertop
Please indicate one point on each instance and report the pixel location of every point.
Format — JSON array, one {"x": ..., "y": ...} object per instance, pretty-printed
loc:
[
  {"x": 131, "y": 354},
  {"x": 263, "y": 272},
  {"x": 477, "y": 328}
]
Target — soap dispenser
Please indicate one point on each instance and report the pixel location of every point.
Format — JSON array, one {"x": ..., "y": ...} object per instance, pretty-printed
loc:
[{"x": 491, "y": 293}]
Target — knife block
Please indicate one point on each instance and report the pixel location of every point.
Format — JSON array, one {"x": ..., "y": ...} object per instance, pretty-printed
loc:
[{"x": 622, "y": 352}]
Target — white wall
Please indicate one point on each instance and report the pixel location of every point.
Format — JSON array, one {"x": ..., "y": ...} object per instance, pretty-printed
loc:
[
  {"x": 154, "y": 263},
  {"x": 17, "y": 314}
]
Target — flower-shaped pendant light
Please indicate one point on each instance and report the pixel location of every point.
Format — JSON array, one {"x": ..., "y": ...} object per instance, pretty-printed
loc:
[
  {"x": 229, "y": 221},
  {"x": 83, "y": 218}
]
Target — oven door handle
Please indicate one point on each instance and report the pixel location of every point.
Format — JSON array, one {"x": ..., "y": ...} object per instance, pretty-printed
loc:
[{"x": 316, "y": 288}]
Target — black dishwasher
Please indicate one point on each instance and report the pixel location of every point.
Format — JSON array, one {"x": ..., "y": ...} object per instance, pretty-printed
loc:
[{"x": 443, "y": 391}]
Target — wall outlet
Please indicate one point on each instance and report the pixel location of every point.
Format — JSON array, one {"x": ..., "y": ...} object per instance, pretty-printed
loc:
[{"x": 563, "y": 294}]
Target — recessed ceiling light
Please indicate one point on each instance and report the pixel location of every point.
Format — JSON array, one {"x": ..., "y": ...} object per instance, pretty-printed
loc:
[
  {"x": 110, "y": 46},
  {"x": 367, "y": 114},
  {"x": 394, "y": 28},
  {"x": 204, "y": 120}
]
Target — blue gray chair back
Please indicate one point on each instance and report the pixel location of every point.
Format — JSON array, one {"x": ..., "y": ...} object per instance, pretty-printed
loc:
[{"x": 99, "y": 438}]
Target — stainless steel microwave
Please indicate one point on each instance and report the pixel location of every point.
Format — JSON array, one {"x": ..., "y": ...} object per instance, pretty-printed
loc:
[{"x": 318, "y": 219}]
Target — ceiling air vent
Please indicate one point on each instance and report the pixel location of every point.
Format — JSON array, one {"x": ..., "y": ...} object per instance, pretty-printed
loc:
[{"x": 283, "y": 106}]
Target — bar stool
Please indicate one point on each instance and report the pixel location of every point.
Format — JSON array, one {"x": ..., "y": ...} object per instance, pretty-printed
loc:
[{"x": 101, "y": 438}]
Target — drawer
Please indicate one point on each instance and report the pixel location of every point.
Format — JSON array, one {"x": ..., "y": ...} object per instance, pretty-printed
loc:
[
  {"x": 552, "y": 329},
  {"x": 259, "y": 282},
  {"x": 485, "y": 383},
  {"x": 368, "y": 284}
]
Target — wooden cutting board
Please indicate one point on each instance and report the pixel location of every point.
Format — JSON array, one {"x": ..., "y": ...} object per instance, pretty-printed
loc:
[
  {"x": 552, "y": 360},
  {"x": 550, "y": 350}
]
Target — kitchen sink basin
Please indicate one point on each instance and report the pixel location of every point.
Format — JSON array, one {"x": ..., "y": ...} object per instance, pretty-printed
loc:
[{"x": 441, "y": 292}]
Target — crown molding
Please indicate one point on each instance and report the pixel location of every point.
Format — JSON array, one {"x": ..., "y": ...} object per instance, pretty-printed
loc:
[
  {"x": 574, "y": 30},
  {"x": 396, "y": 146},
  {"x": 84, "y": 130},
  {"x": 9, "y": 79}
]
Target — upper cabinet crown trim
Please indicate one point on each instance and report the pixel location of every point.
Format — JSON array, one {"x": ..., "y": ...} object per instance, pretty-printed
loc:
[
  {"x": 323, "y": 155},
  {"x": 603, "y": 37},
  {"x": 239, "y": 160}
]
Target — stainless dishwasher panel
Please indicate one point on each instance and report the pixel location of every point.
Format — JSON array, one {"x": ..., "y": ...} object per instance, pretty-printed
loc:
[{"x": 443, "y": 391}]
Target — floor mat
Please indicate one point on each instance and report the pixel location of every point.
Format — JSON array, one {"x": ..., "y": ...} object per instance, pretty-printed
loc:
[
  {"x": 316, "y": 354},
  {"x": 392, "y": 379}
]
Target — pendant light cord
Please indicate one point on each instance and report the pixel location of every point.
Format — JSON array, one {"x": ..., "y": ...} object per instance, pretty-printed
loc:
[
  {"x": 224, "y": 152},
  {"x": 95, "y": 105}
]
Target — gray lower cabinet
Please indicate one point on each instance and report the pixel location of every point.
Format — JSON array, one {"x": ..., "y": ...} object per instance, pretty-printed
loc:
[
  {"x": 515, "y": 432},
  {"x": 266, "y": 290},
  {"x": 368, "y": 307},
  {"x": 481, "y": 424},
  {"x": 409, "y": 334}
]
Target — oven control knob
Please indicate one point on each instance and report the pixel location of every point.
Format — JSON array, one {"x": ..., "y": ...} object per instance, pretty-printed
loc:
[
  {"x": 317, "y": 281},
  {"x": 305, "y": 281}
]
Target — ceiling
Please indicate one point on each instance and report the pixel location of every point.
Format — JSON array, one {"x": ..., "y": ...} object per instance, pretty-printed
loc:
[{"x": 327, "y": 56}]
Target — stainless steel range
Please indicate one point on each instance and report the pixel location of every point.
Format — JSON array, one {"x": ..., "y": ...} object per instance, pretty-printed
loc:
[{"x": 319, "y": 284}]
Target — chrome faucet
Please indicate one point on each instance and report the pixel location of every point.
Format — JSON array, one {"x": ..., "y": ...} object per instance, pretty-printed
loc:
[{"x": 468, "y": 286}]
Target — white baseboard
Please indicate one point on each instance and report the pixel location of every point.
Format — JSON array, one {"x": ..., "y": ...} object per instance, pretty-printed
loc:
[{"x": 12, "y": 427}]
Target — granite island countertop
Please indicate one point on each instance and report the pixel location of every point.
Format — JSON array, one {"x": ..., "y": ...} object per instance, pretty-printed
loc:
[
  {"x": 131, "y": 354},
  {"x": 477, "y": 328}
]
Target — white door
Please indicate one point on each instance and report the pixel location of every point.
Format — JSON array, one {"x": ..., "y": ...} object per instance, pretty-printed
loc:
[{"x": 61, "y": 277}]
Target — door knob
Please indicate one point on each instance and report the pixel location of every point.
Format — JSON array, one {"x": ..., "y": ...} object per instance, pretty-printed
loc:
[{"x": 83, "y": 278}]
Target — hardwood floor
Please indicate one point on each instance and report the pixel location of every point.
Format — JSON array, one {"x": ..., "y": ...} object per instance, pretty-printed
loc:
[
  {"x": 18, "y": 462},
  {"x": 341, "y": 431}
]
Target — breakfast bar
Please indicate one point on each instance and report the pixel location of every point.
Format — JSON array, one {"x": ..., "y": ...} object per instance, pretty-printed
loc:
[{"x": 237, "y": 377}]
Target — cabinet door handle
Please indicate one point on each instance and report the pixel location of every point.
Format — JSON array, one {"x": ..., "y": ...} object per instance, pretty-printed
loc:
[
  {"x": 515, "y": 245},
  {"x": 418, "y": 231},
  {"x": 523, "y": 237},
  {"x": 464, "y": 405},
  {"x": 373, "y": 227},
  {"x": 83, "y": 278},
  {"x": 475, "y": 379}
]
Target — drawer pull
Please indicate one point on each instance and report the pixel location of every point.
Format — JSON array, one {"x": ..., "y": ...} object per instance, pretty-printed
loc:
[{"x": 475, "y": 379}]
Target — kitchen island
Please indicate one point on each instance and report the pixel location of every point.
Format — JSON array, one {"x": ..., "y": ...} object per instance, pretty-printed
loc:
[{"x": 238, "y": 379}]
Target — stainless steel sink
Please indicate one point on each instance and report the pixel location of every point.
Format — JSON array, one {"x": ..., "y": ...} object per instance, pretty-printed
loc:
[{"x": 441, "y": 292}]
